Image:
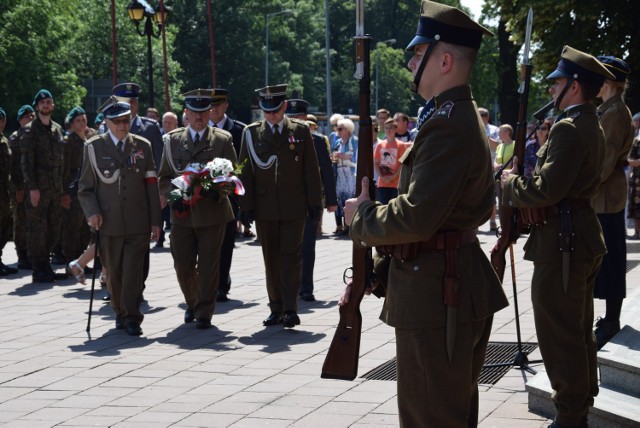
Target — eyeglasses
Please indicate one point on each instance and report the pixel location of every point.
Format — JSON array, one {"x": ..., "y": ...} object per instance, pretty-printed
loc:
[
  {"x": 543, "y": 128},
  {"x": 340, "y": 129},
  {"x": 124, "y": 121}
]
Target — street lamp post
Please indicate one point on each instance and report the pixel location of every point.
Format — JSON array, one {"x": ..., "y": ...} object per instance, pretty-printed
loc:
[
  {"x": 137, "y": 12},
  {"x": 386, "y": 42},
  {"x": 266, "y": 62}
]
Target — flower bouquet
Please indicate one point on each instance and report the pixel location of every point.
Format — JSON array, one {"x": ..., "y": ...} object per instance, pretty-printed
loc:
[{"x": 215, "y": 178}]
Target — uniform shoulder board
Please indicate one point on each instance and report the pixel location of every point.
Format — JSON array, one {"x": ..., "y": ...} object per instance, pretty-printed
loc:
[
  {"x": 299, "y": 122},
  {"x": 444, "y": 110},
  {"x": 254, "y": 124},
  {"x": 148, "y": 119},
  {"x": 175, "y": 131},
  {"x": 238, "y": 123},
  {"x": 222, "y": 131}
]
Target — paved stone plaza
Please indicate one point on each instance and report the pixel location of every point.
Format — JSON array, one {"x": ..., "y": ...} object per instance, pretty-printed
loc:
[{"x": 238, "y": 374}]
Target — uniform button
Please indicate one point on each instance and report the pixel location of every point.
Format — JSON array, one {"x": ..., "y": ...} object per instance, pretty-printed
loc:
[
  {"x": 416, "y": 267},
  {"x": 364, "y": 244},
  {"x": 510, "y": 203}
]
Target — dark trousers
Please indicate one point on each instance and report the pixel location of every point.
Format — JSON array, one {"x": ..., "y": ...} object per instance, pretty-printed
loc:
[
  {"x": 226, "y": 254},
  {"x": 308, "y": 255},
  {"x": 611, "y": 282}
]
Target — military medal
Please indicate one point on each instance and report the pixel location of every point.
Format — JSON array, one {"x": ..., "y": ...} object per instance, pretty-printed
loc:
[
  {"x": 297, "y": 158},
  {"x": 291, "y": 147},
  {"x": 106, "y": 173}
]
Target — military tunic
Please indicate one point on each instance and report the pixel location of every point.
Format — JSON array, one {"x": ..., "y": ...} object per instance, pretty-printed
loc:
[
  {"x": 446, "y": 184},
  {"x": 17, "y": 187},
  {"x": 615, "y": 119},
  {"x": 75, "y": 231},
  {"x": 569, "y": 168},
  {"x": 44, "y": 168},
  {"x": 123, "y": 188},
  {"x": 281, "y": 182},
  {"x": 196, "y": 239}
]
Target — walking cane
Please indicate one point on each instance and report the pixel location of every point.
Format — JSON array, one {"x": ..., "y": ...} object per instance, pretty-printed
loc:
[{"x": 93, "y": 279}]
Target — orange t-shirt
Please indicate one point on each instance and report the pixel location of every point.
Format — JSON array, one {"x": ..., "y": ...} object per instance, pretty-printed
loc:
[{"x": 386, "y": 158}]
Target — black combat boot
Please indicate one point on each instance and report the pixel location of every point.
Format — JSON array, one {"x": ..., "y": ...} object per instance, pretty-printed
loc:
[
  {"x": 23, "y": 260},
  {"x": 6, "y": 270},
  {"x": 56, "y": 276},
  {"x": 40, "y": 272}
]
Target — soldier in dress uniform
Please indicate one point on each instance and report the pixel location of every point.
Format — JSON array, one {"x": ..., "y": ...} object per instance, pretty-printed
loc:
[
  {"x": 75, "y": 231},
  {"x": 567, "y": 249},
  {"x": 46, "y": 176},
  {"x": 5, "y": 211},
  {"x": 118, "y": 192},
  {"x": 442, "y": 290},
  {"x": 297, "y": 109},
  {"x": 282, "y": 188},
  {"x": 616, "y": 122},
  {"x": 196, "y": 238},
  {"x": 25, "y": 115},
  {"x": 218, "y": 118}
]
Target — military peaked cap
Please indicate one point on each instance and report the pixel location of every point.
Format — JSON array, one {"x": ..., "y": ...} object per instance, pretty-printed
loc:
[
  {"x": 439, "y": 22},
  {"x": 219, "y": 96},
  {"x": 126, "y": 90},
  {"x": 616, "y": 66},
  {"x": 24, "y": 110},
  {"x": 582, "y": 67},
  {"x": 198, "y": 100},
  {"x": 297, "y": 106},
  {"x": 3, "y": 114},
  {"x": 114, "y": 107},
  {"x": 272, "y": 97},
  {"x": 42, "y": 94}
]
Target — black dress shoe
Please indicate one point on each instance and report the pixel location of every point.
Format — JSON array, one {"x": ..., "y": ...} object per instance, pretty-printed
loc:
[
  {"x": 272, "y": 319},
  {"x": 106, "y": 297},
  {"x": 189, "y": 316},
  {"x": 133, "y": 329},
  {"x": 290, "y": 319},
  {"x": 221, "y": 297},
  {"x": 7, "y": 270},
  {"x": 307, "y": 296},
  {"x": 119, "y": 323},
  {"x": 203, "y": 323}
]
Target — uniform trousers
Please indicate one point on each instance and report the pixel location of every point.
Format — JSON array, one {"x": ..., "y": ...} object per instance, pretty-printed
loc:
[
  {"x": 19, "y": 226},
  {"x": 196, "y": 259},
  {"x": 226, "y": 254},
  {"x": 124, "y": 258},
  {"x": 5, "y": 220},
  {"x": 564, "y": 325},
  {"x": 611, "y": 281},
  {"x": 433, "y": 392},
  {"x": 75, "y": 231},
  {"x": 282, "y": 252},
  {"x": 44, "y": 225},
  {"x": 308, "y": 255}
]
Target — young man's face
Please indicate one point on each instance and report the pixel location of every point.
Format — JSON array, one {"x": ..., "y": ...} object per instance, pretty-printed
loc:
[{"x": 45, "y": 107}]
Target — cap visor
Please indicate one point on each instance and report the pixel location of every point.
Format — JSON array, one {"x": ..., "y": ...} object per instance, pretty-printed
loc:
[
  {"x": 417, "y": 40},
  {"x": 557, "y": 74},
  {"x": 270, "y": 106}
]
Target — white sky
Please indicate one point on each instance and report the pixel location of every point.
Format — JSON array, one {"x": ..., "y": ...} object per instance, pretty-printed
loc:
[{"x": 475, "y": 6}]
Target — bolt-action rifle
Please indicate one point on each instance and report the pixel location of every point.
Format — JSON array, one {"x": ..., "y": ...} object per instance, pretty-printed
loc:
[{"x": 341, "y": 361}]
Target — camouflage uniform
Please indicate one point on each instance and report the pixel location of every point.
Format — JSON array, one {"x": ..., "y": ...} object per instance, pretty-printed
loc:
[
  {"x": 75, "y": 231},
  {"x": 5, "y": 212},
  {"x": 19, "y": 214},
  {"x": 44, "y": 168}
]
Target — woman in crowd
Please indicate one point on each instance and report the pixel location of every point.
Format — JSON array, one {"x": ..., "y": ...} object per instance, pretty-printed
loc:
[{"x": 344, "y": 152}]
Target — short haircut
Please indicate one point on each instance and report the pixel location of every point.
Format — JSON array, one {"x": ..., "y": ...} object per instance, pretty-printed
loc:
[
  {"x": 402, "y": 116},
  {"x": 382, "y": 110},
  {"x": 335, "y": 118},
  {"x": 507, "y": 127},
  {"x": 346, "y": 123}
]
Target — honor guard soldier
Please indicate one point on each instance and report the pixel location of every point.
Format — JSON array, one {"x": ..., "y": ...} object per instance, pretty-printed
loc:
[
  {"x": 46, "y": 177},
  {"x": 616, "y": 122},
  {"x": 118, "y": 192},
  {"x": 567, "y": 246},
  {"x": 196, "y": 238},
  {"x": 5, "y": 211},
  {"x": 75, "y": 232},
  {"x": 218, "y": 118},
  {"x": 282, "y": 187},
  {"x": 26, "y": 113},
  {"x": 297, "y": 109},
  {"x": 442, "y": 290}
]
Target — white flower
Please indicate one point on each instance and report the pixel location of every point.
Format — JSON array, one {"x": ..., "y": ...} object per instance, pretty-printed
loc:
[
  {"x": 180, "y": 183},
  {"x": 219, "y": 167}
]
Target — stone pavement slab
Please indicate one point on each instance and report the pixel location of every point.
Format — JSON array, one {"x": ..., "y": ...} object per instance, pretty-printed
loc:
[{"x": 237, "y": 374}]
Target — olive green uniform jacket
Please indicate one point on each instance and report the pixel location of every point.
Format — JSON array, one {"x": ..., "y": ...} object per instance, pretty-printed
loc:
[
  {"x": 446, "y": 184},
  {"x": 179, "y": 152},
  {"x": 615, "y": 119},
  {"x": 286, "y": 189},
  {"x": 569, "y": 167}
]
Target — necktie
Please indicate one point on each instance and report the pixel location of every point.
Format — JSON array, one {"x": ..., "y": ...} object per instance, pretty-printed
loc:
[
  {"x": 275, "y": 130},
  {"x": 120, "y": 145},
  {"x": 196, "y": 140}
]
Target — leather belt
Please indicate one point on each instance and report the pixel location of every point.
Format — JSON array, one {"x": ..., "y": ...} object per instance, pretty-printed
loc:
[
  {"x": 441, "y": 241},
  {"x": 570, "y": 204}
]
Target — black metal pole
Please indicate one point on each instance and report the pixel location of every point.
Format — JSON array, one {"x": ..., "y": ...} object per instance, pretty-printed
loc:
[{"x": 148, "y": 29}]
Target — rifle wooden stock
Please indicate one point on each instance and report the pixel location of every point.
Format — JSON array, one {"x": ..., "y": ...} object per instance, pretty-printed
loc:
[
  {"x": 341, "y": 361},
  {"x": 510, "y": 227}
]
